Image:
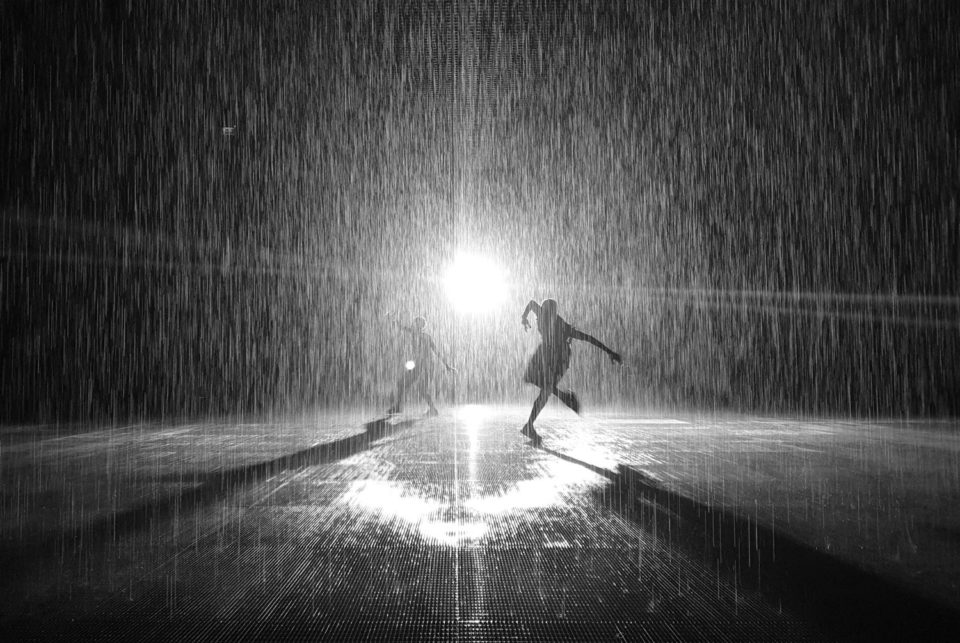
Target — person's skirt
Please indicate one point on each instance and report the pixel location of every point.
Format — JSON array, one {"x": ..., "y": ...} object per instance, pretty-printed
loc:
[{"x": 546, "y": 367}]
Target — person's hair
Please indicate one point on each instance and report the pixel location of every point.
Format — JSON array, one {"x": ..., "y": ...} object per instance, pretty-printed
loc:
[
  {"x": 419, "y": 323},
  {"x": 549, "y": 307}
]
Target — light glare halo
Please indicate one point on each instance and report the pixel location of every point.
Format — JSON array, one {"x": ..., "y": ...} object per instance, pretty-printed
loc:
[{"x": 475, "y": 284}]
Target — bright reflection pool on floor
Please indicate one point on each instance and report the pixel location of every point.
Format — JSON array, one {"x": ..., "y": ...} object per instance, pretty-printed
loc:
[
  {"x": 473, "y": 511},
  {"x": 388, "y": 498},
  {"x": 453, "y": 533}
]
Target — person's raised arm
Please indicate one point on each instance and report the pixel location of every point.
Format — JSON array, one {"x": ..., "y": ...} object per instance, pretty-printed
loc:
[
  {"x": 396, "y": 322},
  {"x": 531, "y": 306},
  {"x": 586, "y": 337}
]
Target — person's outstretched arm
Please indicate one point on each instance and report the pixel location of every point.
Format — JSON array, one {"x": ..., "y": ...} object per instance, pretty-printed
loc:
[
  {"x": 446, "y": 364},
  {"x": 531, "y": 306},
  {"x": 614, "y": 355}
]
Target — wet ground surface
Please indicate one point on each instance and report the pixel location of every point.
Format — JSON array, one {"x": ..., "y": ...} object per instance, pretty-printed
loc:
[{"x": 622, "y": 526}]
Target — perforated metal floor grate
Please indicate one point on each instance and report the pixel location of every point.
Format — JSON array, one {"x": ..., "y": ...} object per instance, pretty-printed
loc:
[{"x": 447, "y": 530}]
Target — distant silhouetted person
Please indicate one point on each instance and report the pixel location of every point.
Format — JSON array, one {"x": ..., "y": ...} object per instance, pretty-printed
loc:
[
  {"x": 552, "y": 358},
  {"x": 418, "y": 368}
]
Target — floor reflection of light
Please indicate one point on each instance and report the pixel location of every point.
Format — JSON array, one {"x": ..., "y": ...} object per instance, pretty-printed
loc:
[
  {"x": 440, "y": 521},
  {"x": 527, "y": 495},
  {"x": 453, "y": 533},
  {"x": 473, "y": 413},
  {"x": 385, "y": 497},
  {"x": 472, "y": 416}
]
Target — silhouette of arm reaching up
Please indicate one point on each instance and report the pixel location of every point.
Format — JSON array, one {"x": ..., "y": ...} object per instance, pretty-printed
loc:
[
  {"x": 531, "y": 306},
  {"x": 392, "y": 318},
  {"x": 614, "y": 356}
]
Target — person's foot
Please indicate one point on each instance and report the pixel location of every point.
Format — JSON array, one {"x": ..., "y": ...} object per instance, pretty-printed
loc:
[
  {"x": 432, "y": 413},
  {"x": 531, "y": 433}
]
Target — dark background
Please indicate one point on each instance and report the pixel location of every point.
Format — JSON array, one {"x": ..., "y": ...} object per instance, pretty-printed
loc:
[{"x": 756, "y": 202}]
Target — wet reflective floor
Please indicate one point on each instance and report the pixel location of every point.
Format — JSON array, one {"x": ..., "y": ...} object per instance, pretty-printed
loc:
[{"x": 620, "y": 527}]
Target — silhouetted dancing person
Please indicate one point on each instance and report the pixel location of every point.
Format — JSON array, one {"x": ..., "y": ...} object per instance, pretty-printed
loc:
[
  {"x": 418, "y": 368},
  {"x": 552, "y": 358}
]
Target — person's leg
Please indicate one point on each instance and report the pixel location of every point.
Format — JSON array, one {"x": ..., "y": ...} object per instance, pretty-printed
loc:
[
  {"x": 423, "y": 389},
  {"x": 538, "y": 405},
  {"x": 432, "y": 411},
  {"x": 395, "y": 398},
  {"x": 569, "y": 398},
  {"x": 399, "y": 395}
]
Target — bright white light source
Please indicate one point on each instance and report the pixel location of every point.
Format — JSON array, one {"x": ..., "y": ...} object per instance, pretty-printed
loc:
[
  {"x": 475, "y": 284},
  {"x": 411, "y": 365}
]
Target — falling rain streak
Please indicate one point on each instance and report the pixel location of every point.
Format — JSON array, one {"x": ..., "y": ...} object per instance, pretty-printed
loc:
[
  {"x": 206, "y": 206},
  {"x": 212, "y": 213}
]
